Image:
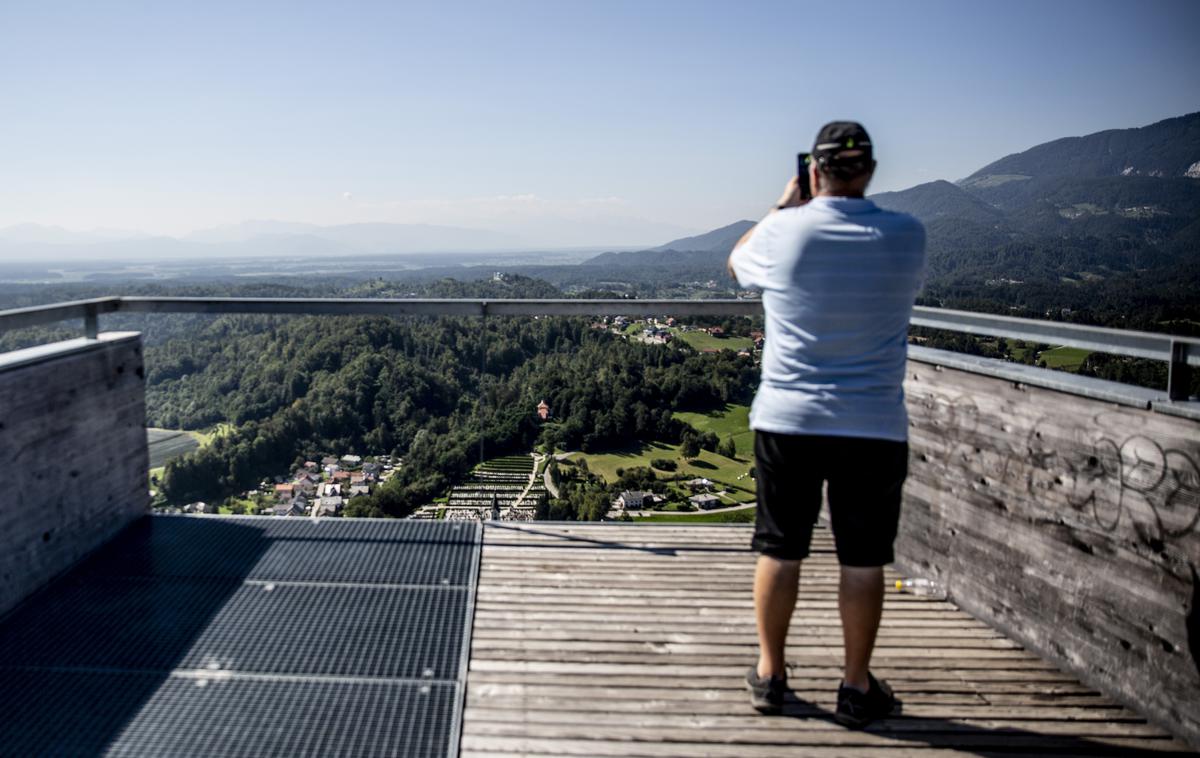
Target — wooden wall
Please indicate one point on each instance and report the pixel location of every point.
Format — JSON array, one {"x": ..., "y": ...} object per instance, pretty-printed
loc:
[
  {"x": 1068, "y": 523},
  {"x": 73, "y": 447}
]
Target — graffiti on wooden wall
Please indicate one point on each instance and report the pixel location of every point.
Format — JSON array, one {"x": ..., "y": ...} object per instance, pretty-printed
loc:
[{"x": 1108, "y": 467}]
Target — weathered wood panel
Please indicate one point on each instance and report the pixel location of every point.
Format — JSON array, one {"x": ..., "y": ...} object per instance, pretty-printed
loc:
[
  {"x": 1068, "y": 523},
  {"x": 633, "y": 640},
  {"x": 73, "y": 446}
]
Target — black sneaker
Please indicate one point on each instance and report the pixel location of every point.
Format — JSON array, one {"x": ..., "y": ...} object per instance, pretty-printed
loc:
[
  {"x": 857, "y": 709},
  {"x": 766, "y": 695}
]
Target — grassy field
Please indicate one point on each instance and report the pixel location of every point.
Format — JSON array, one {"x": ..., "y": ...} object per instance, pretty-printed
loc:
[
  {"x": 740, "y": 516},
  {"x": 733, "y": 419},
  {"x": 718, "y": 468},
  {"x": 248, "y": 506},
  {"x": 705, "y": 341},
  {"x": 220, "y": 430},
  {"x": 1065, "y": 358}
]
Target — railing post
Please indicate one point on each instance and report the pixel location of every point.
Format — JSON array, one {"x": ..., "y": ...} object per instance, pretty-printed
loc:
[
  {"x": 91, "y": 321},
  {"x": 483, "y": 312},
  {"x": 1179, "y": 374}
]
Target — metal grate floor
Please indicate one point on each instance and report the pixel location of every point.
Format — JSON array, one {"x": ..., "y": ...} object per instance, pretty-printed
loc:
[{"x": 247, "y": 636}]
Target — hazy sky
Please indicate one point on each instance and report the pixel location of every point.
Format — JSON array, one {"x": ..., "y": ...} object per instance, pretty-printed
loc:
[{"x": 586, "y": 119}]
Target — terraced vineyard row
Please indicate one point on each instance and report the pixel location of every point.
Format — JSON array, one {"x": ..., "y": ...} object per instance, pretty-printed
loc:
[{"x": 503, "y": 481}]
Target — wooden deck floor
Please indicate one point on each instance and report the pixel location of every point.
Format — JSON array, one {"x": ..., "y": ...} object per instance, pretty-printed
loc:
[{"x": 632, "y": 640}]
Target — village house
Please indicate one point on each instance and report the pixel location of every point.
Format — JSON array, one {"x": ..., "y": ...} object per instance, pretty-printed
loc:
[
  {"x": 657, "y": 334},
  {"x": 331, "y": 489},
  {"x": 635, "y": 499},
  {"x": 358, "y": 490},
  {"x": 340, "y": 476},
  {"x": 699, "y": 485},
  {"x": 351, "y": 461},
  {"x": 285, "y": 491},
  {"x": 705, "y": 502},
  {"x": 329, "y": 506},
  {"x": 295, "y": 507}
]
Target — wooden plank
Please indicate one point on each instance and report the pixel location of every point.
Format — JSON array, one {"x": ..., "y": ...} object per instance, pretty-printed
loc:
[
  {"x": 803, "y": 618},
  {"x": 804, "y": 719},
  {"x": 993, "y": 670},
  {"x": 515, "y": 646},
  {"x": 809, "y": 623},
  {"x": 507, "y": 746},
  {"x": 534, "y": 695},
  {"x": 698, "y": 686},
  {"x": 824, "y": 637},
  {"x": 1000, "y": 736}
]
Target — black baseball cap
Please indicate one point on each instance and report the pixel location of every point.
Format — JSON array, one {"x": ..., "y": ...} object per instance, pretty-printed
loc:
[{"x": 842, "y": 143}]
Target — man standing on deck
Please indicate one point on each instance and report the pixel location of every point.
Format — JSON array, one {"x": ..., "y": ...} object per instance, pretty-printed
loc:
[{"x": 838, "y": 277}]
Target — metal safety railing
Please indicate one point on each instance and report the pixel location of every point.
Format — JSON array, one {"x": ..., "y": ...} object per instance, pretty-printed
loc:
[{"x": 1180, "y": 353}]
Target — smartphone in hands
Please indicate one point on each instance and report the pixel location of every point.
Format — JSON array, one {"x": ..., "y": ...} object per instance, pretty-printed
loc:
[{"x": 802, "y": 161}]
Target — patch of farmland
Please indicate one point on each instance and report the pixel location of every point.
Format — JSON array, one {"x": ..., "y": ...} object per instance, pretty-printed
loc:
[
  {"x": 501, "y": 479},
  {"x": 168, "y": 444}
]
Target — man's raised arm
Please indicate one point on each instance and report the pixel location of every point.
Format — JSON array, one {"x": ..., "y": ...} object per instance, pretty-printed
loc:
[{"x": 790, "y": 198}]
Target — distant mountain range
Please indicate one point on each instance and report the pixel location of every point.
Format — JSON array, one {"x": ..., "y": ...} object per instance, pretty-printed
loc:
[
  {"x": 694, "y": 249},
  {"x": 1162, "y": 149},
  {"x": 718, "y": 239},
  {"x": 1074, "y": 209}
]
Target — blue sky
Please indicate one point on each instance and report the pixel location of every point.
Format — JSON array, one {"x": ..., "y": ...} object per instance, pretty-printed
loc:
[{"x": 566, "y": 122}]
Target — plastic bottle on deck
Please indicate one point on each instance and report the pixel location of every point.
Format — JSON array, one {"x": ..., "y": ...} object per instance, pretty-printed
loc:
[{"x": 922, "y": 588}]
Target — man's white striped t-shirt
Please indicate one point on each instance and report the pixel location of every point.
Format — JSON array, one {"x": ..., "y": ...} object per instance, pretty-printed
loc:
[{"x": 838, "y": 277}]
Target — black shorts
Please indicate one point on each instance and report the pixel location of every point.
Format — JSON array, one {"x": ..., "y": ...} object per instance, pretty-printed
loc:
[{"x": 865, "y": 477}]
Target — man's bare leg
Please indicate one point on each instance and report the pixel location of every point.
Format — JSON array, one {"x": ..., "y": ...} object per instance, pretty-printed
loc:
[
  {"x": 860, "y": 601},
  {"x": 776, "y": 583}
]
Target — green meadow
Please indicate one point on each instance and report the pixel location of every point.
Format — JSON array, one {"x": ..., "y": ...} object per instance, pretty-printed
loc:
[
  {"x": 733, "y": 419},
  {"x": 729, "y": 473}
]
